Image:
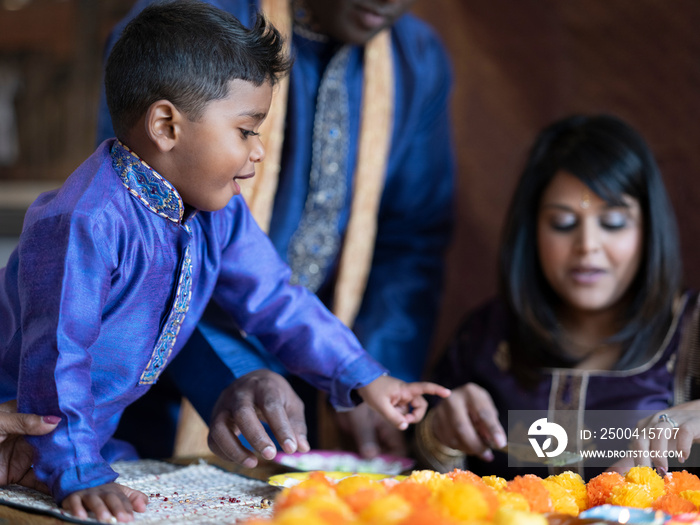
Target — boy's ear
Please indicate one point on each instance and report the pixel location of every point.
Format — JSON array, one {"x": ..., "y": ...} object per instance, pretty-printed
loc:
[{"x": 163, "y": 124}]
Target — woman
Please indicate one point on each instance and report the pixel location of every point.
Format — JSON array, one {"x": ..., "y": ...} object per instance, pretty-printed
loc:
[{"x": 590, "y": 316}]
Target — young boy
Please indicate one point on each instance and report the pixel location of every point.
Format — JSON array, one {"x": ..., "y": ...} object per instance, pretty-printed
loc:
[{"x": 114, "y": 269}]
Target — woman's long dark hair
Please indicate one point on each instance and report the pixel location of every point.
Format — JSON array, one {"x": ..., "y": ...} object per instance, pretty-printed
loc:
[{"x": 613, "y": 160}]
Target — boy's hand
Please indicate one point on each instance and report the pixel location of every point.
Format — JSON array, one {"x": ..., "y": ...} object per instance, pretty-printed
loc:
[
  {"x": 106, "y": 501},
  {"x": 398, "y": 402}
]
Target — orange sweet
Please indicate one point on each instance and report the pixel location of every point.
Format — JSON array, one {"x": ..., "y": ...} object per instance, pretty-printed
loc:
[
  {"x": 533, "y": 489},
  {"x": 600, "y": 488},
  {"x": 415, "y": 493},
  {"x": 677, "y": 482},
  {"x": 673, "y": 504}
]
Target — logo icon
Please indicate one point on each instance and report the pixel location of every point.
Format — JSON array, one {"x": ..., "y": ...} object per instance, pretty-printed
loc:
[{"x": 542, "y": 427}]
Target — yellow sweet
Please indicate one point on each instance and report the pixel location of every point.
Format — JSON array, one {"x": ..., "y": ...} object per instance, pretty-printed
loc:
[
  {"x": 575, "y": 485},
  {"x": 647, "y": 476},
  {"x": 462, "y": 501},
  {"x": 495, "y": 482},
  {"x": 305, "y": 515},
  {"x": 691, "y": 495},
  {"x": 433, "y": 480},
  {"x": 352, "y": 484},
  {"x": 631, "y": 495},
  {"x": 518, "y": 517},
  {"x": 388, "y": 509},
  {"x": 562, "y": 500},
  {"x": 512, "y": 500}
]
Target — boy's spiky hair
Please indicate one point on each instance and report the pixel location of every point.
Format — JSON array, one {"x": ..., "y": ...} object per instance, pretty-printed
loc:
[{"x": 187, "y": 52}]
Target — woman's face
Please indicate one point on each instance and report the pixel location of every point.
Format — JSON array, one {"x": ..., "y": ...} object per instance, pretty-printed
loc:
[{"x": 589, "y": 250}]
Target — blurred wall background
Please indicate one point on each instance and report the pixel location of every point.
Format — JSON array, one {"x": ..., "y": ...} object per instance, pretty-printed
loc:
[{"x": 518, "y": 65}]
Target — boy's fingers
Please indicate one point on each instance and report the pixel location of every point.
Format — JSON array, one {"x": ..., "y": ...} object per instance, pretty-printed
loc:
[
  {"x": 119, "y": 506},
  {"x": 424, "y": 387},
  {"x": 392, "y": 414},
  {"x": 96, "y": 504},
  {"x": 419, "y": 407},
  {"x": 138, "y": 499},
  {"x": 74, "y": 505}
]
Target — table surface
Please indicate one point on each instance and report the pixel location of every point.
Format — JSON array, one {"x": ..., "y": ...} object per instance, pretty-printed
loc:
[{"x": 263, "y": 471}]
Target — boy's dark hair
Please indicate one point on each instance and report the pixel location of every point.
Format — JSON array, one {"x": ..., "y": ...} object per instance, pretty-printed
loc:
[
  {"x": 613, "y": 160},
  {"x": 187, "y": 52}
]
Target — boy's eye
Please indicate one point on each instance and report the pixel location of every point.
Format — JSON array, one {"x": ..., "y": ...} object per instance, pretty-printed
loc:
[
  {"x": 249, "y": 133},
  {"x": 563, "y": 222},
  {"x": 613, "y": 220}
]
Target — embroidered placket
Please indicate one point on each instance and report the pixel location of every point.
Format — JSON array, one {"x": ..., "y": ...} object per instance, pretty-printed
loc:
[
  {"x": 168, "y": 336},
  {"x": 316, "y": 242}
]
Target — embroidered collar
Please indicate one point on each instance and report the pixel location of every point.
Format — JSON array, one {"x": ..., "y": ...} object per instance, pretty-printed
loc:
[{"x": 144, "y": 183}]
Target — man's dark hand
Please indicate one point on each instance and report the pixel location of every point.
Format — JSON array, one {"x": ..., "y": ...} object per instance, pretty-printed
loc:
[
  {"x": 257, "y": 397},
  {"x": 372, "y": 434}
]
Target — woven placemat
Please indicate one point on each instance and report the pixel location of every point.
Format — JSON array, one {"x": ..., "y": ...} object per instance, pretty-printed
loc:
[{"x": 200, "y": 493}]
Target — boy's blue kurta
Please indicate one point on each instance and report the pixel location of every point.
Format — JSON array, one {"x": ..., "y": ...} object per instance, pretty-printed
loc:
[
  {"x": 108, "y": 283},
  {"x": 396, "y": 319}
]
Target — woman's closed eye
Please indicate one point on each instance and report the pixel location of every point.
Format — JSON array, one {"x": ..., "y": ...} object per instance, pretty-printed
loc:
[
  {"x": 563, "y": 222},
  {"x": 614, "y": 220}
]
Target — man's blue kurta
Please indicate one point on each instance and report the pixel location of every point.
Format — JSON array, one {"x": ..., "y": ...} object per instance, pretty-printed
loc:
[{"x": 108, "y": 282}]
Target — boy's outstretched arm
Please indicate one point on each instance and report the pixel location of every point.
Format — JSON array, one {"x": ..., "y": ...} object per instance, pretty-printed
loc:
[
  {"x": 399, "y": 402},
  {"x": 106, "y": 501}
]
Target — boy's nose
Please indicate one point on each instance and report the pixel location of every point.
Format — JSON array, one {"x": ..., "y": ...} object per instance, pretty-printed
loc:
[{"x": 257, "y": 154}]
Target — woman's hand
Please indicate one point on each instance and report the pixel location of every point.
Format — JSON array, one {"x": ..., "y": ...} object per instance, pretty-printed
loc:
[
  {"x": 468, "y": 421},
  {"x": 669, "y": 431},
  {"x": 16, "y": 455}
]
